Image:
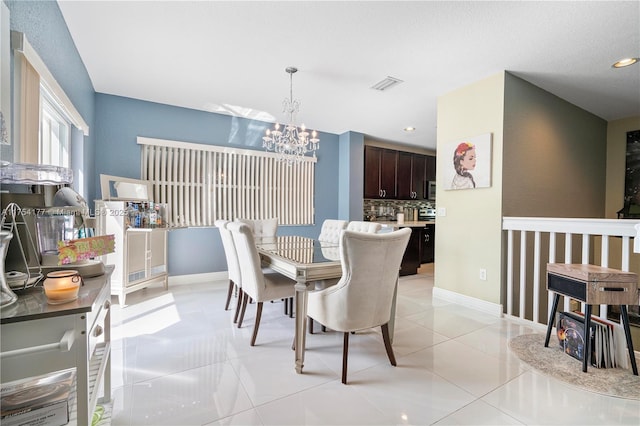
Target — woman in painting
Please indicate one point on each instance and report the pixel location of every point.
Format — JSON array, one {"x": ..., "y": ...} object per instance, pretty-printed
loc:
[{"x": 464, "y": 159}]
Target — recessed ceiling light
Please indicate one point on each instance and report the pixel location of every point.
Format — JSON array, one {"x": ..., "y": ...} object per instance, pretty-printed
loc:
[
  {"x": 409, "y": 129},
  {"x": 625, "y": 62}
]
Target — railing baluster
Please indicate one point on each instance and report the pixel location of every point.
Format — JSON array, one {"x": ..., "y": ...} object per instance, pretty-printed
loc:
[
  {"x": 585, "y": 249},
  {"x": 568, "y": 247},
  {"x": 552, "y": 259},
  {"x": 510, "y": 272},
  {"x": 523, "y": 272},
  {"x": 585, "y": 259},
  {"x": 536, "y": 276},
  {"x": 625, "y": 253}
]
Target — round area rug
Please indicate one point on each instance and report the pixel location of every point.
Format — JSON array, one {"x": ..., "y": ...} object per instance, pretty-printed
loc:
[{"x": 553, "y": 361}]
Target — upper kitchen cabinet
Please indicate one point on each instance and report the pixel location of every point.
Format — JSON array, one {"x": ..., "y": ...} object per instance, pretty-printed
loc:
[
  {"x": 411, "y": 176},
  {"x": 380, "y": 168},
  {"x": 430, "y": 171}
]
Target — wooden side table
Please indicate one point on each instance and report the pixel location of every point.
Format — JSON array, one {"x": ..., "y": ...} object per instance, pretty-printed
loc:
[{"x": 593, "y": 285}]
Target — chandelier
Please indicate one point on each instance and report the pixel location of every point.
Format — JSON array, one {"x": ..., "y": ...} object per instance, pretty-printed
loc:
[{"x": 292, "y": 143}]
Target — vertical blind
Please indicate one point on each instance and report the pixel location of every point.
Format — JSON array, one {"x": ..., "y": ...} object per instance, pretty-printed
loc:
[{"x": 204, "y": 183}]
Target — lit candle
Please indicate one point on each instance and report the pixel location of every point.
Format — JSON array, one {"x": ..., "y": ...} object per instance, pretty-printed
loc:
[{"x": 62, "y": 286}]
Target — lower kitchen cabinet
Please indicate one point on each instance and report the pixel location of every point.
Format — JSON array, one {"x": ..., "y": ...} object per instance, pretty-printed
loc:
[
  {"x": 428, "y": 243},
  {"x": 411, "y": 260}
]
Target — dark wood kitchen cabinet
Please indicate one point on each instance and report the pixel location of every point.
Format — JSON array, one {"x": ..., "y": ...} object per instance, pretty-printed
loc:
[
  {"x": 430, "y": 169},
  {"x": 380, "y": 167},
  {"x": 411, "y": 176},
  {"x": 428, "y": 243},
  {"x": 411, "y": 259}
]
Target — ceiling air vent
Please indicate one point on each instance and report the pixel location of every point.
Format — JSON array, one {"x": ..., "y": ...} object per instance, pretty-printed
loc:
[{"x": 386, "y": 83}]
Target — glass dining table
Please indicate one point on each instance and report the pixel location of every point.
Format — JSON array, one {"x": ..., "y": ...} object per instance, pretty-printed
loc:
[{"x": 304, "y": 260}]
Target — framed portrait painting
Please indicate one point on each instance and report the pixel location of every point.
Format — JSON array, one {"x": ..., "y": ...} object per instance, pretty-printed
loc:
[{"x": 469, "y": 166}]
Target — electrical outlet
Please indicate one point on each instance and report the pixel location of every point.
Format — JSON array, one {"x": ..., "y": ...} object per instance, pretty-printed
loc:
[
  {"x": 442, "y": 211},
  {"x": 483, "y": 274}
]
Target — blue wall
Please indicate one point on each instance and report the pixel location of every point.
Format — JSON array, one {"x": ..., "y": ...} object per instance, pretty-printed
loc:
[
  {"x": 47, "y": 32},
  {"x": 351, "y": 176},
  {"x": 119, "y": 121},
  {"x": 116, "y": 122}
]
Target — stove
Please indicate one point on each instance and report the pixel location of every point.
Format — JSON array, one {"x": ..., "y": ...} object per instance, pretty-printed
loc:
[{"x": 427, "y": 213}]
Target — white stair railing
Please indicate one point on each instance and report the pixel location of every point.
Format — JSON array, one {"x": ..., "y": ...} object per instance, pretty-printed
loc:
[{"x": 526, "y": 260}]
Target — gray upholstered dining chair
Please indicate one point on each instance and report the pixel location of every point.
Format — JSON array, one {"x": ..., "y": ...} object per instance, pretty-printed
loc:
[
  {"x": 258, "y": 284},
  {"x": 361, "y": 226},
  {"x": 363, "y": 297},
  {"x": 233, "y": 267}
]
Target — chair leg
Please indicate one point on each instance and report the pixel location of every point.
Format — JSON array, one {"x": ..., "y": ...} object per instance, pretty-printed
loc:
[
  {"x": 238, "y": 305},
  {"x": 310, "y": 325},
  {"x": 229, "y": 292},
  {"x": 345, "y": 352},
  {"x": 245, "y": 302},
  {"x": 257, "y": 323},
  {"x": 387, "y": 344}
]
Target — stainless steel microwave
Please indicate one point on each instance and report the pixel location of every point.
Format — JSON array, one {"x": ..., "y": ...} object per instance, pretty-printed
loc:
[{"x": 431, "y": 190}]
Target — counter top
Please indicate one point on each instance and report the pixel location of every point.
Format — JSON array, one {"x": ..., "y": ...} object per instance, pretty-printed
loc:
[
  {"x": 407, "y": 224},
  {"x": 32, "y": 303}
]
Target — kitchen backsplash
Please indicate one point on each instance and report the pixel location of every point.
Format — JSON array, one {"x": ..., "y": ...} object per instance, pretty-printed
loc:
[{"x": 387, "y": 209}]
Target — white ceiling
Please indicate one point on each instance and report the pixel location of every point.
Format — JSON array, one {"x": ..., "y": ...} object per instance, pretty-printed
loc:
[{"x": 230, "y": 57}]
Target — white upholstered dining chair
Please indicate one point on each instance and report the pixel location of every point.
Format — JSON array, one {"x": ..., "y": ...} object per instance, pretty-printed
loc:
[
  {"x": 363, "y": 297},
  {"x": 362, "y": 226},
  {"x": 258, "y": 284},
  {"x": 265, "y": 228},
  {"x": 330, "y": 231},
  {"x": 333, "y": 253},
  {"x": 262, "y": 227},
  {"x": 233, "y": 267}
]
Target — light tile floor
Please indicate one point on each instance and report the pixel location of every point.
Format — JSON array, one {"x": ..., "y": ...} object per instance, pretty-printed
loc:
[{"x": 178, "y": 359}]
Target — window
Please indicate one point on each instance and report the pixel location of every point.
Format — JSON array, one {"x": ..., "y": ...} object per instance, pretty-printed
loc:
[
  {"x": 55, "y": 132},
  {"x": 203, "y": 183},
  {"x": 45, "y": 115}
]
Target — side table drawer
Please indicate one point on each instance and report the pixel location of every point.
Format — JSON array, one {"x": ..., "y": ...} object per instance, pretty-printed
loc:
[
  {"x": 594, "y": 293},
  {"x": 593, "y": 285},
  {"x": 567, "y": 287}
]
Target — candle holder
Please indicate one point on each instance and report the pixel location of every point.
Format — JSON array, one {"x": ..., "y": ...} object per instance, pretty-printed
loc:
[{"x": 62, "y": 286}]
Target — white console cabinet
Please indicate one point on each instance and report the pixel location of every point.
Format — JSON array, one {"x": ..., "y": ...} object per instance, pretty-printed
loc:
[
  {"x": 140, "y": 256},
  {"x": 38, "y": 338}
]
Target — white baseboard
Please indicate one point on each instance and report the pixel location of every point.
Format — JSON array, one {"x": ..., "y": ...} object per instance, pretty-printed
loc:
[
  {"x": 494, "y": 309},
  {"x": 198, "y": 278}
]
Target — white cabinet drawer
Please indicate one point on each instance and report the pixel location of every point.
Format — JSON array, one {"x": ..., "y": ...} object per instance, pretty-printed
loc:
[{"x": 98, "y": 331}]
